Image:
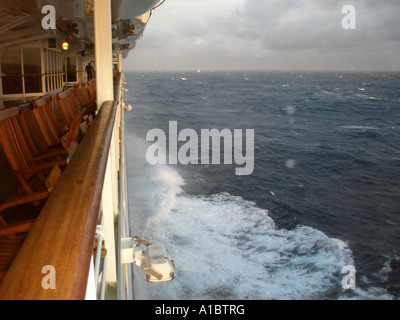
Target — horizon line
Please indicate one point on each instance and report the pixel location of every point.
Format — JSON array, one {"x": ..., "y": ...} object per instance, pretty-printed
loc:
[{"x": 258, "y": 70}]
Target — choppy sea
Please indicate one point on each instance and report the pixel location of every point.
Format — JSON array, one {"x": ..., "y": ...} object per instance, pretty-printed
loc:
[{"x": 324, "y": 193}]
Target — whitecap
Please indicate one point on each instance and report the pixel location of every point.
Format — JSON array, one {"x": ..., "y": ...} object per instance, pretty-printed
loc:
[
  {"x": 225, "y": 247},
  {"x": 357, "y": 127}
]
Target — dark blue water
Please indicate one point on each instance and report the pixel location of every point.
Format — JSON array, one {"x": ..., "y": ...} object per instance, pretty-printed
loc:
[{"x": 324, "y": 192}]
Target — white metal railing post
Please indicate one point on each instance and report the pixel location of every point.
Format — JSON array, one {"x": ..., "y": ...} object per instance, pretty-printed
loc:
[
  {"x": 105, "y": 92},
  {"x": 91, "y": 285},
  {"x": 125, "y": 289},
  {"x": 103, "y": 51},
  {"x": 100, "y": 237},
  {"x": 108, "y": 212}
]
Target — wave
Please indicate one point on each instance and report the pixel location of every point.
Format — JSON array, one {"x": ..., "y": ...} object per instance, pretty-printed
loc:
[
  {"x": 227, "y": 248},
  {"x": 356, "y": 127}
]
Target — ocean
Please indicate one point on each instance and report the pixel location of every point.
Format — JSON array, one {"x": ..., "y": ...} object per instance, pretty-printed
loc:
[{"x": 323, "y": 196}]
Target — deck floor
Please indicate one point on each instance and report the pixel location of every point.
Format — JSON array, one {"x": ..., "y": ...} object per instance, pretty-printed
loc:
[
  {"x": 8, "y": 185},
  {"x": 8, "y": 182},
  {"x": 9, "y": 247}
]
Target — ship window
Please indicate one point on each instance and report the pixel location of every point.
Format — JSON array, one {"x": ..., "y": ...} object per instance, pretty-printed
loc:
[
  {"x": 33, "y": 84},
  {"x": 31, "y": 58},
  {"x": 70, "y": 69},
  {"x": 53, "y": 69},
  {"x": 32, "y": 70},
  {"x": 11, "y": 66},
  {"x": 23, "y": 69}
]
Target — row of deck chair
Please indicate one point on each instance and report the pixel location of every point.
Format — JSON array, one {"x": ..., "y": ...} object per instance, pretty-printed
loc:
[
  {"x": 31, "y": 134},
  {"x": 38, "y": 145},
  {"x": 37, "y": 168}
]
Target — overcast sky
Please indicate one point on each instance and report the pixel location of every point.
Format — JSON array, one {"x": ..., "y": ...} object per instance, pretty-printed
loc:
[{"x": 269, "y": 35}]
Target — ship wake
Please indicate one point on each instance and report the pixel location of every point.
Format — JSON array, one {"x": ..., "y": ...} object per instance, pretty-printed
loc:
[{"x": 225, "y": 247}]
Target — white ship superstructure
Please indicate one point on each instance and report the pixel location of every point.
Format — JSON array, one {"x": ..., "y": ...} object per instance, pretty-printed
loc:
[{"x": 64, "y": 221}]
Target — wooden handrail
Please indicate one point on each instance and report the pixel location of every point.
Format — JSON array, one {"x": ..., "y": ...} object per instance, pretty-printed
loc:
[
  {"x": 63, "y": 234},
  {"x": 118, "y": 87}
]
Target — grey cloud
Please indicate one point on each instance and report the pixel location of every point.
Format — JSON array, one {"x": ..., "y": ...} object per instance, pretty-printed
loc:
[
  {"x": 265, "y": 34},
  {"x": 315, "y": 24}
]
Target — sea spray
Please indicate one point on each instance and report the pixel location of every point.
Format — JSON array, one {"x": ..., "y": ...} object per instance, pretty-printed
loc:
[{"x": 226, "y": 247}]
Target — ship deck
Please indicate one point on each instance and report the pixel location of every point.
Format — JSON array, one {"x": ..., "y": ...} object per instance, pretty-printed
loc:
[
  {"x": 80, "y": 207},
  {"x": 8, "y": 185},
  {"x": 8, "y": 182}
]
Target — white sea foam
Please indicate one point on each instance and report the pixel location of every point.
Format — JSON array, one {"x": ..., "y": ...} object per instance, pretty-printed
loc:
[
  {"x": 356, "y": 127},
  {"x": 225, "y": 247}
]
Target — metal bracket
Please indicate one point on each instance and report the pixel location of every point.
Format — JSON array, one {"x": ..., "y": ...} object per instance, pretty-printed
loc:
[{"x": 154, "y": 260}]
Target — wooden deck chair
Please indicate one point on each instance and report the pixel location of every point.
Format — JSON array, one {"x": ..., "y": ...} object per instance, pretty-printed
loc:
[
  {"x": 53, "y": 131},
  {"x": 11, "y": 239},
  {"x": 47, "y": 120},
  {"x": 85, "y": 101},
  {"x": 72, "y": 113},
  {"x": 83, "y": 96},
  {"x": 92, "y": 89},
  {"x": 24, "y": 165},
  {"x": 86, "y": 93},
  {"x": 69, "y": 106},
  {"x": 33, "y": 135}
]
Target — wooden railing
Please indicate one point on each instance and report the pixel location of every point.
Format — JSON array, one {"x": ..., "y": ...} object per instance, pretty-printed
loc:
[{"x": 62, "y": 236}]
